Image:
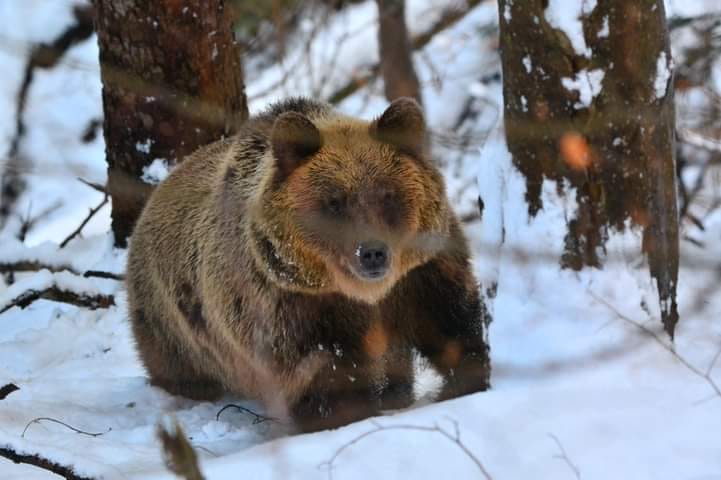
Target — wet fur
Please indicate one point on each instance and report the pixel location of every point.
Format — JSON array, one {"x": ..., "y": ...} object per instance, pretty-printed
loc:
[{"x": 230, "y": 289}]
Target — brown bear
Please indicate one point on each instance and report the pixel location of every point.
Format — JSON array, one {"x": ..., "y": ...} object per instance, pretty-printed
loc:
[{"x": 302, "y": 263}]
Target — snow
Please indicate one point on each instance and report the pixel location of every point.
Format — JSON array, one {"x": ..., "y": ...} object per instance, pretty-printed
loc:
[
  {"x": 156, "y": 172},
  {"x": 588, "y": 84},
  {"x": 577, "y": 383},
  {"x": 605, "y": 29},
  {"x": 565, "y": 15},
  {"x": 663, "y": 75},
  {"x": 527, "y": 63}
]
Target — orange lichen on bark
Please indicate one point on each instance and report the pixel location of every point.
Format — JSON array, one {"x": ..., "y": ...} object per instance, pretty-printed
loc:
[{"x": 575, "y": 151}]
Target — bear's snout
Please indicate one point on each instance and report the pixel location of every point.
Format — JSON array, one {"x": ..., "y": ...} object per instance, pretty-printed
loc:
[{"x": 373, "y": 260}]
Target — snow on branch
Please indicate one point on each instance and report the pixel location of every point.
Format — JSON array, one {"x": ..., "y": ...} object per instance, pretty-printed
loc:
[
  {"x": 15, "y": 256},
  {"x": 700, "y": 141},
  {"x": 60, "y": 287}
]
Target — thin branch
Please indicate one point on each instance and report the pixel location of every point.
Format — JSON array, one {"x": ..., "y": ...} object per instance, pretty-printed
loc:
[
  {"x": 56, "y": 294},
  {"x": 257, "y": 418},
  {"x": 564, "y": 456},
  {"x": 101, "y": 274},
  {"x": 454, "y": 437},
  {"x": 90, "y": 215},
  {"x": 706, "y": 376},
  {"x": 48, "y": 419},
  {"x": 45, "y": 56},
  {"x": 66, "y": 472},
  {"x": 93, "y": 185},
  {"x": 27, "y": 223}
]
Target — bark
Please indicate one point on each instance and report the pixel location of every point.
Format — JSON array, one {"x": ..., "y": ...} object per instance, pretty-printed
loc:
[
  {"x": 172, "y": 81},
  {"x": 399, "y": 76},
  {"x": 617, "y": 148}
]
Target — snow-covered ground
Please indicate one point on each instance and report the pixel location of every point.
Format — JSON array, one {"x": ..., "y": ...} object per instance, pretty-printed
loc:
[{"x": 585, "y": 384}]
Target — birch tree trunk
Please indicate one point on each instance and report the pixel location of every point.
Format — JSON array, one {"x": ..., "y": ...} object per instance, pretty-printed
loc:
[
  {"x": 591, "y": 102},
  {"x": 172, "y": 81}
]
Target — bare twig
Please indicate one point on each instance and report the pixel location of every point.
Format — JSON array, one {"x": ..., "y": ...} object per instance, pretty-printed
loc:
[
  {"x": 28, "y": 222},
  {"x": 95, "y": 186},
  {"x": 564, "y": 456},
  {"x": 90, "y": 215},
  {"x": 454, "y": 437},
  {"x": 48, "y": 419},
  {"x": 64, "y": 471},
  {"x": 257, "y": 418},
  {"x": 706, "y": 376},
  {"x": 56, "y": 294}
]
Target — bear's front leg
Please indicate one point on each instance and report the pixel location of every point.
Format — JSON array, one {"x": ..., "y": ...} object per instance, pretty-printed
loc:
[
  {"x": 448, "y": 322},
  {"x": 342, "y": 392}
]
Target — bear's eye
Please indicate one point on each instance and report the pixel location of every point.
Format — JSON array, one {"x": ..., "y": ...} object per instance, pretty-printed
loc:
[
  {"x": 334, "y": 204},
  {"x": 389, "y": 196}
]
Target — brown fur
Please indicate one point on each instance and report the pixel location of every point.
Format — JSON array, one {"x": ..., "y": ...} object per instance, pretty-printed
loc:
[{"x": 241, "y": 269}]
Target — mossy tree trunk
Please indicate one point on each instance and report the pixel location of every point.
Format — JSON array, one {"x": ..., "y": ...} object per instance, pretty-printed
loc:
[
  {"x": 172, "y": 81},
  {"x": 396, "y": 62},
  {"x": 596, "y": 109}
]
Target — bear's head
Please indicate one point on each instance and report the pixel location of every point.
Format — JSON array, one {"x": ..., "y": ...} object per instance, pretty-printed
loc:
[{"x": 349, "y": 206}]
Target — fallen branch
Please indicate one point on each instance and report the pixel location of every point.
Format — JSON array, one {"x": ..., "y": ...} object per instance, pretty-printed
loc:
[
  {"x": 48, "y": 419},
  {"x": 36, "y": 266},
  {"x": 66, "y": 472},
  {"x": 454, "y": 437},
  {"x": 54, "y": 293},
  {"x": 706, "y": 376}
]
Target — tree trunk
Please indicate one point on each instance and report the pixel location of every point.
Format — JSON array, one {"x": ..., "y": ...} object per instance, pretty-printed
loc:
[
  {"x": 399, "y": 76},
  {"x": 596, "y": 109},
  {"x": 172, "y": 81}
]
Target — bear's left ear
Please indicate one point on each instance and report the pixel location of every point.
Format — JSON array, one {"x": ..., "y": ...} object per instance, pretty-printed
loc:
[
  {"x": 402, "y": 125},
  {"x": 293, "y": 139}
]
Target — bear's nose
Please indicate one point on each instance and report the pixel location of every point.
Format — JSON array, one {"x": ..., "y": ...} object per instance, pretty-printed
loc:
[{"x": 373, "y": 257}]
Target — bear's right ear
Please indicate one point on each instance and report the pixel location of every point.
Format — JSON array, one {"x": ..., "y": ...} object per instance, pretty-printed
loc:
[{"x": 293, "y": 139}]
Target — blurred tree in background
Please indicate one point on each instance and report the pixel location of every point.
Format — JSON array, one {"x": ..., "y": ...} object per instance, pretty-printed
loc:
[
  {"x": 594, "y": 110},
  {"x": 399, "y": 76}
]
